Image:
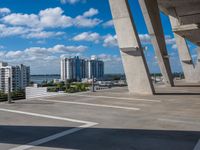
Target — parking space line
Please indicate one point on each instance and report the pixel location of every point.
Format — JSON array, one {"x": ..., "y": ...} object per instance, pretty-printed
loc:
[
  {"x": 33, "y": 144},
  {"x": 197, "y": 147},
  {"x": 53, "y": 137},
  {"x": 90, "y": 104},
  {"x": 45, "y": 116},
  {"x": 178, "y": 121},
  {"x": 120, "y": 98}
]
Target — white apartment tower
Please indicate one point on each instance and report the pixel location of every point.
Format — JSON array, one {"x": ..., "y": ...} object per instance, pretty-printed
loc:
[
  {"x": 77, "y": 69},
  {"x": 19, "y": 77}
]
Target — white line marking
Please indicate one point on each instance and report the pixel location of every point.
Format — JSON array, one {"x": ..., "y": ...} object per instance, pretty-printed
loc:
[
  {"x": 53, "y": 137},
  {"x": 89, "y": 104},
  {"x": 178, "y": 121},
  {"x": 197, "y": 147},
  {"x": 121, "y": 98},
  {"x": 45, "y": 116},
  {"x": 87, "y": 124}
]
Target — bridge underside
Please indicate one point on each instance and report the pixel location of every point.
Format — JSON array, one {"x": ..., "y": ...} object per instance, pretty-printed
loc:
[
  {"x": 188, "y": 14},
  {"x": 184, "y": 17}
]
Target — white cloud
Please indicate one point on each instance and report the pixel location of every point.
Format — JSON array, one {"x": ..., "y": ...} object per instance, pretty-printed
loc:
[
  {"x": 109, "y": 58},
  {"x": 41, "y": 59},
  {"x": 35, "y": 25},
  {"x": 63, "y": 48},
  {"x": 85, "y": 20},
  {"x": 4, "y": 11},
  {"x": 88, "y": 36},
  {"x": 13, "y": 54},
  {"x": 28, "y": 33},
  {"x": 169, "y": 40},
  {"x": 174, "y": 46},
  {"x": 91, "y": 12},
  {"x": 43, "y": 34},
  {"x": 11, "y": 31},
  {"x": 69, "y": 1},
  {"x": 110, "y": 40},
  {"x": 72, "y": 1},
  {"x": 48, "y": 18},
  {"x": 108, "y": 24},
  {"x": 113, "y": 63},
  {"x": 81, "y": 21},
  {"x": 53, "y": 17},
  {"x": 34, "y": 53},
  {"x": 107, "y": 40},
  {"x": 145, "y": 38}
]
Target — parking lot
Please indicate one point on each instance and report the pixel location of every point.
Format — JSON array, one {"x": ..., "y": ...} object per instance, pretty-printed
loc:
[{"x": 105, "y": 120}]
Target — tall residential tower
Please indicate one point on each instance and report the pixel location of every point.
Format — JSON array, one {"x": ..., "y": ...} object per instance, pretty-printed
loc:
[
  {"x": 77, "y": 69},
  {"x": 19, "y": 77}
]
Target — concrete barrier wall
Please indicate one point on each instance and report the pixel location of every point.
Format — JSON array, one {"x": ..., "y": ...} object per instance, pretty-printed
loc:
[{"x": 33, "y": 92}]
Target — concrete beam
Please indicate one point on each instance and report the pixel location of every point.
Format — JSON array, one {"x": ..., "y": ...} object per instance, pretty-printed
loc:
[
  {"x": 136, "y": 70},
  {"x": 151, "y": 15},
  {"x": 190, "y": 71}
]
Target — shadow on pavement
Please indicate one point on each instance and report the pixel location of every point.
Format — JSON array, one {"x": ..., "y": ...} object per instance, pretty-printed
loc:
[{"x": 101, "y": 138}]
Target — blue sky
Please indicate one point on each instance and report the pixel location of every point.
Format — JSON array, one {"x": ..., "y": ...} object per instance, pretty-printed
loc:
[{"x": 39, "y": 32}]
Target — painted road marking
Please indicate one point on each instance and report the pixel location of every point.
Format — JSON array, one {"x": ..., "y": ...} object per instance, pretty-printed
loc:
[
  {"x": 89, "y": 104},
  {"x": 45, "y": 116},
  {"x": 197, "y": 147},
  {"x": 87, "y": 124},
  {"x": 178, "y": 121},
  {"x": 120, "y": 98},
  {"x": 52, "y": 137}
]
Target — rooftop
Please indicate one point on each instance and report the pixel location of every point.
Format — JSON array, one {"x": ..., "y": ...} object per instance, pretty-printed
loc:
[{"x": 106, "y": 120}]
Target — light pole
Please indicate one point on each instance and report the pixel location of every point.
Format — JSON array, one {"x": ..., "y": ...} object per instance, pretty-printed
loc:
[
  {"x": 9, "y": 91},
  {"x": 93, "y": 86}
]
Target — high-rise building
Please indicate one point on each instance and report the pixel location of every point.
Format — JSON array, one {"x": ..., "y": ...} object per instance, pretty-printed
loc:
[
  {"x": 19, "y": 77},
  {"x": 77, "y": 69}
]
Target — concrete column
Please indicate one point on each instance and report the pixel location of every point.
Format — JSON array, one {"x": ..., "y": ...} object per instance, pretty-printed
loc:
[
  {"x": 151, "y": 15},
  {"x": 191, "y": 72},
  {"x": 136, "y": 70}
]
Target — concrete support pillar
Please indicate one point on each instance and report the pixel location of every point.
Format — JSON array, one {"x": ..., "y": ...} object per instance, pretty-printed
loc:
[
  {"x": 151, "y": 15},
  {"x": 136, "y": 70},
  {"x": 191, "y": 72}
]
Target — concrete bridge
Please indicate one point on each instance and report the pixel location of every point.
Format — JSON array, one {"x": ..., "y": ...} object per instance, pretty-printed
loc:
[{"x": 184, "y": 16}]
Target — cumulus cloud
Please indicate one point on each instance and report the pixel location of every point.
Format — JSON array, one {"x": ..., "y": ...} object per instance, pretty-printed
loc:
[
  {"x": 5, "y": 11},
  {"x": 43, "y": 35},
  {"x": 6, "y": 31},
  {"x": 72, "y": 1},
  {"x": 113, "y": 63},
  {"x": 146, "y": 39},
  {"x": 88, "y": 36},
  {"x": 33, "y": 53},
  {"x": 109, "y": 58},
  {"x": 91, "y": 12},
  {"x": 35, "y": 25},
  {"x": 110, "y": 40},
  {"x": 41, "y": 57},
  {"x": 63, "y": 48},
  {"x": 108, "y": 24},
  {"x": 174, "y": 46},
  {"x": 11, "y": 31},
  {"x": 48, "y": 18},
  {"x": 52, "y": 18},
  {"x": 86, "y": 20},
  {"x": 107, "y": 40},
  {"x": 69, "y": 1}
]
